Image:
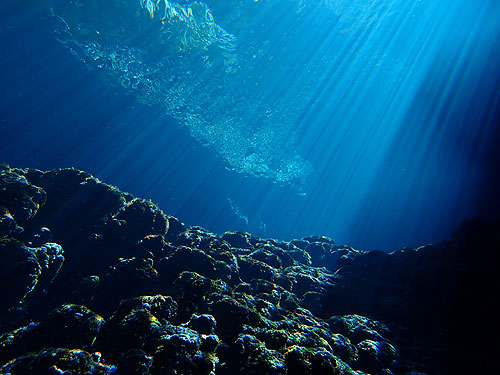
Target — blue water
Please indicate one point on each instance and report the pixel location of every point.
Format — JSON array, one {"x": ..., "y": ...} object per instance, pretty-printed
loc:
[{"x": 375, "y": 123}]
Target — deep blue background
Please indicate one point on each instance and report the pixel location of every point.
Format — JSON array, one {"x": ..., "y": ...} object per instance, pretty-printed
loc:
[{"x": 56, "y": 112}]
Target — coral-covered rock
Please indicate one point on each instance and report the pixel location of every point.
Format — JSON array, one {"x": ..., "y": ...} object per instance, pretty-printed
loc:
[
  {"x": 343, "y": 348},
  {"x": 264, "y": 255},
  {"x": 251, "y": 268},
  {"x": 156, "y": 296},
  {"x": 8, "y": 225},
  {"x": 136, "y": 325},
  {"x": 175, "y": 227},
  {"x": 193, "y": 292},
  {"x": 137, "y": 330},
  {"x": 194, "y": 260},
  {"x": 248, "y": 355},
  {"x": 134, "y": 362},
  {"x": 318, "y": 252},
  {"x": 69, "y": 326},
  {"x": 301, "y": 360},
  {"x": 231, "y": 316},
  {"x": 19, "y": 198},
  {"x": 273, "y": 338},
  {"x": 141, "y": 218},
  {"x": 53, "y": 361},
  {"x": 127, "y": 278},
  {"x": 300, "y": 255},
  {"x": 307, "y": 279},
  {"x": 374, "y": 356},
  {"x": 179, "y": 352},
  {"x": 77, "y": 204},
  {"x": 50, "y": 256},
  {"x": 19, "y": 273},
  {"x": 359, "y": 328},
  {"x": 163, "y": 308},
  {"x": 238, "y": 239},
  {"x": 202, "y": 323},
  {"x": 154, "y": 244},
  {"x": 84, "y": 292}
]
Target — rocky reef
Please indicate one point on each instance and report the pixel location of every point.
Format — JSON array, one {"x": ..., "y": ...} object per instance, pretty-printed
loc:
[{"x": 96, "y": 281}]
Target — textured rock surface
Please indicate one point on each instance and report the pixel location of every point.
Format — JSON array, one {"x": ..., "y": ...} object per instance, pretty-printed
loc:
[{"x": 95, "y": 281}]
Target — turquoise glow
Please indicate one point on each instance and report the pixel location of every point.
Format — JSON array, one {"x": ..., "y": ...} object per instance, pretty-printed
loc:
[{"x": 372, "y": 122}]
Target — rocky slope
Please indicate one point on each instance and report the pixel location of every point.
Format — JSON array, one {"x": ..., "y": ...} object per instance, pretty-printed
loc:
[{"x": 95, "y": 281}]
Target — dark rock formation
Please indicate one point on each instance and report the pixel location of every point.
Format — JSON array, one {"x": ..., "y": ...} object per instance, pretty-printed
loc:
[{"x": 95, "y": 281}]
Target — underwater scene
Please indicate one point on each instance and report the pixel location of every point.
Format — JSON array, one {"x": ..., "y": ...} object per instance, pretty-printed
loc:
[{"x": 249, "y": 187}]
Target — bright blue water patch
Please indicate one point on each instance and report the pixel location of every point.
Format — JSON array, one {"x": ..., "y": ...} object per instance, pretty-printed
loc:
[{"x": 373, "y": 122}]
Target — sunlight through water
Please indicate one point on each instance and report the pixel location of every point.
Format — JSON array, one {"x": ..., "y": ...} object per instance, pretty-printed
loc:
[{"x": 373, "y": 122}]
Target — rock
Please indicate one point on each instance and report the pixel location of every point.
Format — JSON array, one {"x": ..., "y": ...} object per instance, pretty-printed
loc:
[
  {"x": 209, "y": 343},
  {"x": 20, "y": 271},
  {"x": 343, "y": 348},
  {"x": 154, "y": 244},
  {"x": 138, "y": 330},
  {"x": 238, "y": 239},
  {"x": 202, "y": 323},
  {"x": 274, "y": 339},
  {"x": 125, "y": 279},
  {"x": 300, "y": 255},
  {"x": 317, "y": 251},
  {"x": 8, "y": 225},
  {"x": 85, "y": 291},
  {"x": 70, "y": 209},
  {"x": 248, "y": 355},
  {"x": 313, "y": 302},
  {"x": 250, "y": 268},
  {"x": 302, "y": 360},
  {"x": 193, "y": 292},
  {"x": 267, "y": 257},
  {"x": 19, "y": 198},
  {"x": 374, "y": 356},
  {"x": 141, "y": 218},
  {"x": 163, "y": 308},
  {"x": 188, "y": 239},
  {"x": 134, "y": 362},
  {"x": 359, "y": 328},
  {"x": 301, "y": 244},
  {"x": 320, "y": 239},
  {"x": 273, "y": 255},
  {"x": 137, "y": 324},
  {"x": 54, "y": 361},
  {"x": 155, "y": 296},
  {"x": 194, "y": 260},
  {"x": 69, "y": 326},
  {"x": 175, "y": 228},
  {"x": 50, "y": 257},
  {"x": 179, "y": 352},
  {"x": 232, "y": 315},
  {"x": 308, "y": 279}
]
